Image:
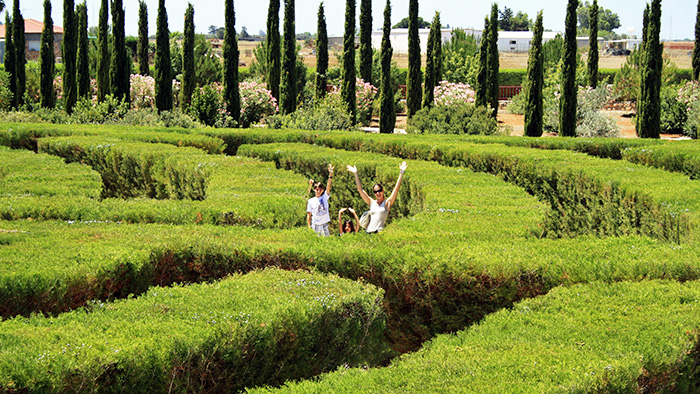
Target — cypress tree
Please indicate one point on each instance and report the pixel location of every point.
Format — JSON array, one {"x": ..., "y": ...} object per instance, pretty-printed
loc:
[
  {"x": 164, "y": 81},
  {"x": 82, "y": 62},
  {"x": 430, "y": 80},
  {"x": 20, "y": 56},
  {"x": 641, "y": 98},
  {"x": 567, "y": 107},
  {"x": 188, "y": 75},
  {"x": 70, "y": 87},
  {"x": 649, "y": 112},
  {"x": 232, "y": 96},
  {"x": 493, "y": 62},
  {"x": 387, "y": 112},
  {"x": 482, "y": 75},
  {"x": 366, "y": 40},
  {"x": 9, "y": 60},
  {"x": 696, "y": 49},
  {"x": 274, "y": 65},
  {"x": 349, "y": 76},
  {"x": 47, "y": 60},
  {"x": 103, "y": 60},
  {"x": 288, "y": 82},
  {"x": 120, "y": 69},
  {"x": 142, "y": 48},
  {"x": 321, "y": 54},
  {"x": 414, "y": 93},
  {"x": 437, "y": 54},
  {"x": 534, "y": 108},
  {"x": 593, "y": 47}
]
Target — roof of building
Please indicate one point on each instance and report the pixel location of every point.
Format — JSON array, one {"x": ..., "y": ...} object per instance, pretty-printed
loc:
[{"x": 32, "y": 26}]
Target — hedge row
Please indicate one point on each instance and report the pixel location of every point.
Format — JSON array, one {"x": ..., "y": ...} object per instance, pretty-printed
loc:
[
  {"x": 681, "y": 156},
  {"x": 586, "y": 338},
  {"x": 238, "y": 191},
  {"x": 262, "y": 328}
]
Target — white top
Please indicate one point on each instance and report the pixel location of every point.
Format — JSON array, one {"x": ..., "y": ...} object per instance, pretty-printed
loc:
[
  {"x": 318, "y": 206},
  {"x": 377, "y": 216}
]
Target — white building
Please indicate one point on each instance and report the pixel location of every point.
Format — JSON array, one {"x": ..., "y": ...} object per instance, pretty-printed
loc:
[
  {"x": 399, "y": 39},
  {"x": 520, "y": 41}
]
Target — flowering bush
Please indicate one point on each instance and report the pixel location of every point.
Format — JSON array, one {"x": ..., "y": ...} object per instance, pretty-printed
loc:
[
  {"x": 364, "y": 96},
  {"x": 256, "y": 102},
  {"x": 143, "y": 91},
  {"x": 689, "y": 97},
  {"x": 447, "y": 93},
  {"x": 689, "y": 93},
  {"x": 692, "y": 126}
]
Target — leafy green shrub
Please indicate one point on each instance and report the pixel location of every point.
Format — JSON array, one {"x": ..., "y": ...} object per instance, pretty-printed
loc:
[
  {"x": 674, "y": 113},
  {"x": 207, "y": 104},
  {"x": 330, "y": 113},
  {"x": 464, "y": 118},
  {"x": 692, "y": 126},
  {"x": 5, "y": 92},
  {"x": 109, "y": 110}
]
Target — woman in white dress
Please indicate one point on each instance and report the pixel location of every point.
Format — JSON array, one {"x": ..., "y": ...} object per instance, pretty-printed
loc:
[{"x": 379, "y": 206}]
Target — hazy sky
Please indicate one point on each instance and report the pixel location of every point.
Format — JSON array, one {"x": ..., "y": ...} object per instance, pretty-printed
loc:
[{"x": 678, "y": 16}]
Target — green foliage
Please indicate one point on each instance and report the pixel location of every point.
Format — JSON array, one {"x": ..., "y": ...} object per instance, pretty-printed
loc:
[
  {"x": 120, "y": 58},
  {"x": 69, "y": 55},
  {"x": 414, "y": 93},
  {"x": 366, "y": 41},
  {"x": 347, "y": 89},
  {"x": 696, "y": 48},
  {"x": 607, "y": 20},
  {"x": 188, "y": 60},
  {"x": 103, "y": 60},
  {"x": 482, "y": 75},
  {"x": 492, "y": 81},
  {"x": 5, "y": 92},
  {"x": 232, "y": 96},
  {"x": 274, "y": 65},
  {"x": 9, "y": 63},
  {"x": 433, "y": 59},
  {"x": 567, "y": 104},
  {"x": 322, "y": 54},
  {"x": 329, "y": 113},
  {"x": 110, "y": 109},
  {"x": 164, "y": 87},
  {"x": 534, "y": 101},
  {"x": 651, "y": 64},
  {"x": 142, "y": 49},
  {"x": 209, "y": 68},
  {"x": 459, "y": 62},
  {"x": 19, "y": 40},
  {"x": 593, "y": 47},
  {"x": 405, "y": 23},
  {"x": 205, "y": 105},
  {"x": 464, "y": 118},
  {"x": 288, "y": 84},
  {"x": 83, "y": 67},
  {"x": 674, "y": 113},
  {"x": 47, "y": 59},
  {"x": 387, "y": 110}
]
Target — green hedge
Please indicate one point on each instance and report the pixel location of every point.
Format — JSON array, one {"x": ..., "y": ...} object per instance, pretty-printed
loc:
[
  {"x": 512, "y": 77},
  {"x": 262, "y": 328},
  {"x": 586, "y": 338},
  {"x": 679, "y": 156}
]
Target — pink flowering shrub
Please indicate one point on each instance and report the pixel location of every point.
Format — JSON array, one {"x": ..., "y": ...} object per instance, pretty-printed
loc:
[
  {"x": 448, "y": 93},
  {"x": 256, "y": 102},
  {"x": 689, "y": 93},
  {"x": 143, "y": 91},
  {"x": 364, "y": 97}
]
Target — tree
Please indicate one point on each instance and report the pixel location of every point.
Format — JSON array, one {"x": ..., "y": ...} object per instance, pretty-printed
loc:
[
  {"x": 288, "y": 91},
  {"x": 142, "y": 49},
  {"x": 9, "y": 60},
  {"x": 274, "y": 65},
  {"x": 164, "y": 84},
  {"x": 482, "y": 77},
  {"x": 567, "y": 105},
  {"x": 103, "y": 60},
  {"x": 593, "y": 47},
  {"x": 232, "y": 96},
  {"x": 607, "y": 20},
  {"x": 349, "y": 76},
  {"x": 2, "y": 5},
  {"x": 387, "y": 112},
  {"x": 493, "y": 62},
  {"x": 321, "y": 54},
  {"x": 47, "y": 59},
  {"x": 209, "y": 68},
  {"x": 120, "y": 69},
  {"x": 20, "y": 56},
  {"x": 649, "y": 102},
  {"x": 70, "y": 88},
  {"x": 403, "y": 24},
  {"x": 696, "y": 50},
  {"x": 432, "y": 60},
  {"x": 188, "y": 75},
  {"x": 534, "y": 107},
  {"x": 521, "y": 22},
  {"x": 83, "y": 65},
  {"x": 505, "y": 19},
  {"x": 414, "y": 93},
  {"x": 366, "y": 40}
]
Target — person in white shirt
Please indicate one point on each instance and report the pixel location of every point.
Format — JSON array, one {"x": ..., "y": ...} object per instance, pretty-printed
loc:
[
  {"x": 318, "y": 217},
  {"x": 378, "y": 208}
]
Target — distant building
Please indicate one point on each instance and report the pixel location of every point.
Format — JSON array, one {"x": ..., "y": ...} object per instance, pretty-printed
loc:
[
  {"x": 628, "y": 44},
  {"x": 32, "y": 37},
  {"x": 520, "y": 41},
  {"x": 584, "y": 42},
  {"x": 399, "y": 39}
]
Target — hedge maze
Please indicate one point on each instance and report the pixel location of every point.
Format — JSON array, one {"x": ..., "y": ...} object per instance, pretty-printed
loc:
[{"x": 142, "y": 260}]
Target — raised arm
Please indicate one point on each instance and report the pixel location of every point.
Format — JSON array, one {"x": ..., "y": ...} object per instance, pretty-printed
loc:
[
  {"x": 340, "y": 220},
  {"x": 357, "y": 220},
  {"x": 363, "y": 194},
  {"x": 330, "y": 179},
  {"x": 311, "y": 185},
  {"x": 395, "y": 193}
]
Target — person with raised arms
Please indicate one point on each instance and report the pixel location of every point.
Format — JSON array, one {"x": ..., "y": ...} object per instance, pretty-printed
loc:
[
  {"x": 379, "y": 206},
  {"x": 318, "y": 217}
]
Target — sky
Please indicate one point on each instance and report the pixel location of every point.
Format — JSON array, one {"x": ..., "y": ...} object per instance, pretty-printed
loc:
[{"x": 677, "y": 20}]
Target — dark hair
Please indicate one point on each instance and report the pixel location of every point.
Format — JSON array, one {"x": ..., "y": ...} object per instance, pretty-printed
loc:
[
  {"x": 319, "y": 184},
  {"x": 351, "y": 223},
  {"x": 378, "y": 184}
]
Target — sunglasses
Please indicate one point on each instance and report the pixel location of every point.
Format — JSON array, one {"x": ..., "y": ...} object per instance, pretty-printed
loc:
[{"x": 378, "y": 191}]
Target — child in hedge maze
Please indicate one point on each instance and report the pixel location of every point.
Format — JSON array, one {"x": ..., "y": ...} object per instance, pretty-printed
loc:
[
  {"x": 317, "y": 216},
  {"x": 348, "y": 226},
  {"x": 379, "y": 208}
]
